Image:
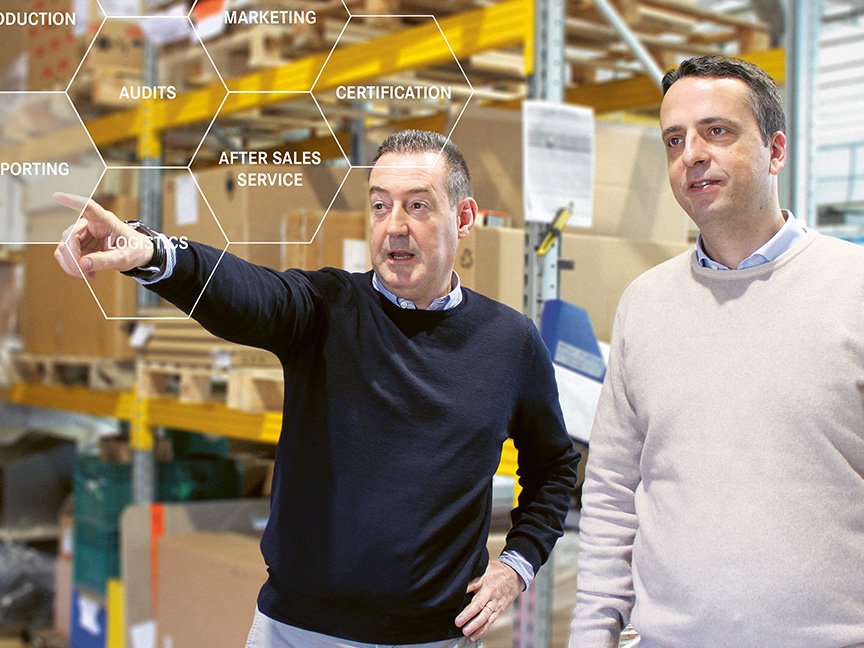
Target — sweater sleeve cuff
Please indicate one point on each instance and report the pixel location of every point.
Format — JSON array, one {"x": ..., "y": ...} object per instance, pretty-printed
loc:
[
  {"x": 170, "y": 262},
  {"x": 517, "y": 563}
]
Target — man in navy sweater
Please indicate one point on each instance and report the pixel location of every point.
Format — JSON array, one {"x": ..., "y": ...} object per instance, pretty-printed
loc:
[{"x": 400, "y": 387}]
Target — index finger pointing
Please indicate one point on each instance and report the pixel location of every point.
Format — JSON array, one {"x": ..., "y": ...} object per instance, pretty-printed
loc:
[{"x": 70, "y": 200}]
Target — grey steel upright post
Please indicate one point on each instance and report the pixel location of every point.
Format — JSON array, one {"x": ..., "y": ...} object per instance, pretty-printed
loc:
[
  {"x": 150, "y": 212},
  {"x": 532, "y": 612},
  {"x": 802, "y": 44}
]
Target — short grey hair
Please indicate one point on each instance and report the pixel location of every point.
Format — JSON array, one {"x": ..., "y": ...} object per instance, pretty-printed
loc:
[{"x": 458, "y": 180}]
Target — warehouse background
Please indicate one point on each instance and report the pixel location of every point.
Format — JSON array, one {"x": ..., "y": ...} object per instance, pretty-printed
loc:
[{"x": 136, "y": 449}]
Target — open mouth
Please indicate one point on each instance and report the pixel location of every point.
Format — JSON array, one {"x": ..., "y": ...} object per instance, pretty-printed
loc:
[
  {"x": 701, "y": 184},
  {"x": 400, "y": 256}
]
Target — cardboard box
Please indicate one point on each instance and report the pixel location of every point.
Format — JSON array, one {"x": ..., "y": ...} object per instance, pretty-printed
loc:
[
  {"x": 632, "y": 197},
  {"x": 59, "y": 316},
  {"x": 63, "y": 595},
  {"x": 141, "y": 523},
  {"x": 270, "y": 215},
  {"x": 604, "y": 267},
  {"x": 491, "y": 261},
  {"x": 208, "y": 584},
  {"x": 15, "y": 45},
  {"x": 120, "y": 45},
  {"x": 54, "y": 52}
]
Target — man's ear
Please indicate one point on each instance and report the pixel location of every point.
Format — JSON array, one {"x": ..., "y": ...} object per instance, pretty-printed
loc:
[
  {"x": 777, "y": 150},
  {"x": 465, "y": 216}
]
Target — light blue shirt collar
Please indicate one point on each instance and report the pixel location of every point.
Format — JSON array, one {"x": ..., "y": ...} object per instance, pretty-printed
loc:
[
  {"x": 450, "y": 300},
  {"x": 787, "y": 236}
]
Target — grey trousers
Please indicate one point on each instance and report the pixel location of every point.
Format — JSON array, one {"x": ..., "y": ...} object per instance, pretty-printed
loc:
[{"x": 267, "y": 633}]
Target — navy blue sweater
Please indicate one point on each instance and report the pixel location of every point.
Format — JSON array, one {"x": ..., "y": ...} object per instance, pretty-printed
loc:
[{"x": 392, "y": 429}]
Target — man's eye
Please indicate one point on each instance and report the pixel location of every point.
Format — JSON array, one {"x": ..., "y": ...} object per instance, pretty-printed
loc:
[
  {"x": 718, "y": 130},
  {"x": 672, "y": 142}
]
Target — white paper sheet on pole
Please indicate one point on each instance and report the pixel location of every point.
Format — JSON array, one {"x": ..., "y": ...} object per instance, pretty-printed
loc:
[
  {"x": 122, "y": 7},
  {"x": 171, "y": 26},
  {"x": 558, "y": 161},
  {"x": 85, "y": 17},
  {"x": 354, "y": 255},
  {"x": 185, "y": 200},
  {"x": 578, "y": 396}
]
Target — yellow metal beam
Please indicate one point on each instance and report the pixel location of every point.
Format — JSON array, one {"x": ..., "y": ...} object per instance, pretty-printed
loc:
[
  {"x": 497, "y": 26},
  {"x": 639, "y": 93},
  {"x": 74, "y": 399},
  {"x": 214, "y": 418}
]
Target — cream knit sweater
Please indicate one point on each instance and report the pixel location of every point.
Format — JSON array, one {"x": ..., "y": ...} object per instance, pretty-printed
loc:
[{"x": 724, "y": 498}]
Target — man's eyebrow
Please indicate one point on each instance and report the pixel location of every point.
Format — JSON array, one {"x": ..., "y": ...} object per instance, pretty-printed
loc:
[
  {"x": 705, "y": 121},
  {"x": 416, "y": 190}
]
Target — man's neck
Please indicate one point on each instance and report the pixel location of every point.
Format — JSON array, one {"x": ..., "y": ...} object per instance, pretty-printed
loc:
[{"x": 730, "y": 243}]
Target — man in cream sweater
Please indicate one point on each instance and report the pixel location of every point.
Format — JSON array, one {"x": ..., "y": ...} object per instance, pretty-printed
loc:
[{"x": 724, "y": 497}]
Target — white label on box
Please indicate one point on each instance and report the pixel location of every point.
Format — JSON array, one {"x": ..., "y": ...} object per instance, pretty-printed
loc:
[
  {"x": 222, "y": 358},
  {"x": 354, "y": 255},
  {"x": 143, "y": 634},
  {"x": 67, "y": 541},
  {"x": 170, "y": 26},
  {"x": 141, "y": 335},
  {"x": 185, "y": 200},
  {"x": 121, "y": 7},
  {"x": 88, "y": 615},
  {"x": 82, "y": 11},
  {"x": 579, "y": 360},
  {"x": 558, "y": 161}
]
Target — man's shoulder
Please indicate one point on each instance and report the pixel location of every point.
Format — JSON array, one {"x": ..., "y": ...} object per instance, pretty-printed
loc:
[
  {"x": 837, "y": 248},
  {"x": 486, "y": 307},
  {"x": 332, "y": 282},
  {"x": 662, "y": 275}
]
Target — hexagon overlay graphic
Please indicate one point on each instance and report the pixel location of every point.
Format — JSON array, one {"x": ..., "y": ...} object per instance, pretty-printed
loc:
[
  {"x": 254, "y": 43},
  {"x": 185, "y": 216},
  {"x": 270, "y": 169},
  {"x": 43, "y": 148},
  {"x": 179, "y": 94},
  {"x": 375, "y": 79}
]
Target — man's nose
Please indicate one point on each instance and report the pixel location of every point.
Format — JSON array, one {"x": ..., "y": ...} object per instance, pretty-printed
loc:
[
  {"x": 695, "y": 151},
  {"x": 397, "y": 223}
]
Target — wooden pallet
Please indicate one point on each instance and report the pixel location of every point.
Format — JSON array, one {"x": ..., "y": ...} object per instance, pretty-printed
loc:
[
  {"x": 186, "y": 342},
  {"x": 247, "y": 389},
  {"x": 255, "y": 390},
  {"x": 99, "y": 374},
  {"x": 178, "y": 358},
  {"x": 186, "y": 383}
]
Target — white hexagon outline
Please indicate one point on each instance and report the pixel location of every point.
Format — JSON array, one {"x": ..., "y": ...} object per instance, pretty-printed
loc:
[
  {"x": 95, "y": 148},
  {"x": 329, "y": 129},
  {"x": 452, "y": 53},
  {"x": 206, "y": 283},
  {"x": 189, "y": 15},
  {"x": 207, "y": 130},
  {"x": 207, "y": 53}
]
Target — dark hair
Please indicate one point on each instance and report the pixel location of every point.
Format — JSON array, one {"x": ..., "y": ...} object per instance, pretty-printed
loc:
[
  {"x": 458, "y": 180},
  {"x": 765, "y": 101}
]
